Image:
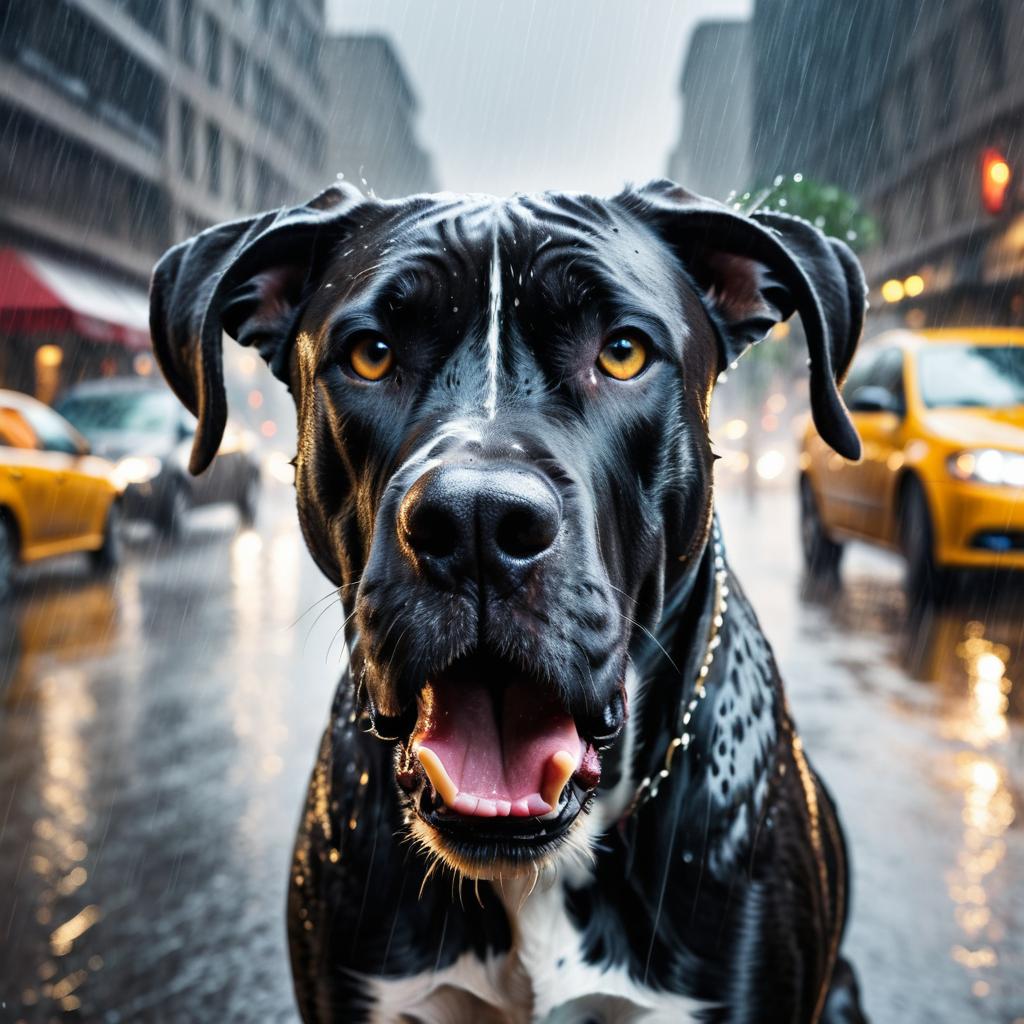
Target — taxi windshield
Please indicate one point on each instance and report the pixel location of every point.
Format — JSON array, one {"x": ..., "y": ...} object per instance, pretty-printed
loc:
[
  {"x": 141, "y": 412},
  {"x": 972, "y": 376}
]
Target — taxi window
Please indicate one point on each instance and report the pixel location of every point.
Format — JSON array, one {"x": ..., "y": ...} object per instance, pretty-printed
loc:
[
  {"x": 54, "y": 434},
  {"x": 861, "y": 372},
  {"x": 15, "y": 431},
  {"x": 888, "y": 372}
]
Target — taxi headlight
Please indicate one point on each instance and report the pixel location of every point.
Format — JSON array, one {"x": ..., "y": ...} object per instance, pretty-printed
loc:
[
  {"x": 988, "y": 466},
  {"x": 136, "y": 469}
]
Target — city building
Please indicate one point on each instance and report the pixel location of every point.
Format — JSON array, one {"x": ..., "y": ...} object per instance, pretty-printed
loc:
[
  {"x": 370, "y": 125},
  {"x": 712, "y": 156},
  {"x": 130, "y": 124},
  {"x": 915, "y": 108}
]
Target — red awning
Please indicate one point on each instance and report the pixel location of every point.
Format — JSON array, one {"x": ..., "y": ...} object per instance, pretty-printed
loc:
[{"x": 39, "y": 294}]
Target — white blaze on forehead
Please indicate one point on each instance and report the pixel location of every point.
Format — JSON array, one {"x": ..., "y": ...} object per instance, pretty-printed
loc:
[{"x": 493, "y": 334}]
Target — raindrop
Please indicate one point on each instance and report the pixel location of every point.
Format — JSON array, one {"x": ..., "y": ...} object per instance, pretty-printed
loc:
[{"x": 798, "y": 177}]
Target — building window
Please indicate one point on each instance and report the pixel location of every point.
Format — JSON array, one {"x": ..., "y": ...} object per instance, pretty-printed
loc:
[
  {"x": 240, "y": 66},
  {"x": 186, "y": 140},
  {"x": 187, "y": 31},
  {"x": 239, "y": 181},
  {"x": 59, "y": 45},
  {"x": 263, "y": 185},
  {"x": 213, "y": 169},
  {"x": 943, "y": 76},
  {"x": 213, "y": 61},
  {"x": 147, "y": 13},
  {"x": 992, "y": 31}
]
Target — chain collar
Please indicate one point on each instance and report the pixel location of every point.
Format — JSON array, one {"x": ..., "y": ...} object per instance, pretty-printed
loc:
[{"x": 648, "y": 788}]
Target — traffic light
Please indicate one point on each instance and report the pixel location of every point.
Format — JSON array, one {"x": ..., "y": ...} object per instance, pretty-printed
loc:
[{"x": 995, "y": 180}]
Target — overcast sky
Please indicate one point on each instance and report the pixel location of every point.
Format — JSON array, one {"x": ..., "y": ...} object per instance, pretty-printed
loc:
[{"x": 523, "y": 95}]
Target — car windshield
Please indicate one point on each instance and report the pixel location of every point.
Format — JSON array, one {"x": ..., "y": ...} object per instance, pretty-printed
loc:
[
  {"x": 964, "y": 376},
  {"x": 139, "y": 412}
]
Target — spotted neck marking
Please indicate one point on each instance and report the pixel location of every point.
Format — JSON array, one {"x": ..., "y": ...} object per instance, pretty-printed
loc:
[{"x": 493, "y": 333}]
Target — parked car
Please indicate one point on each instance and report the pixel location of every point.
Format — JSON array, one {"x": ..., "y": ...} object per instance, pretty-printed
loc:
[
  {"x": 143, "y": 428},
  {"x": 55, "y": 496},
  {"x": 941, "y": 417}
]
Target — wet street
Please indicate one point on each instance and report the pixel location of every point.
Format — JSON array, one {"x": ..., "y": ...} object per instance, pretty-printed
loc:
[{"x": 156, "y": 732}]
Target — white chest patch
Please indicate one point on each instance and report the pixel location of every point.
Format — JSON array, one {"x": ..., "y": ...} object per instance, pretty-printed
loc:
[{"x": 544, "y": 978}]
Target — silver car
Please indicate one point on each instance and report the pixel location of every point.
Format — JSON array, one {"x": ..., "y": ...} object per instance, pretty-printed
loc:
[{"x": 143, "y": 429}]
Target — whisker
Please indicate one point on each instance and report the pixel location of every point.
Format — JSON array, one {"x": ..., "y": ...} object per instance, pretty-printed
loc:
[
  {"x": 640, "y": 625},
  {"x": 339, "y": 631},
  {"x": 323, "y": 612},
  {"x": 332, "y": 593}
]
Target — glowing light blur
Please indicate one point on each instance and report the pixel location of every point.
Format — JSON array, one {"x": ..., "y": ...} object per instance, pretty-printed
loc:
[{"x": 770, "y": 465}]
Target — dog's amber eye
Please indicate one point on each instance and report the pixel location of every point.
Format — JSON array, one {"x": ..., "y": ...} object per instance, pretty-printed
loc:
[
  {"x": 371, "y": 358},
  {"x": 623, "y": 357}
]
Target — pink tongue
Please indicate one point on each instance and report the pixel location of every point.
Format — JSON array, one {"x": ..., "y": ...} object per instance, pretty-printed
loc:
[{"x": 494, "y": 769}]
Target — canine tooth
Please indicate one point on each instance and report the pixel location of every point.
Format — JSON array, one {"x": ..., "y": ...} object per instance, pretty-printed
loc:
[
  {"x": 557, "y": 772},
  {"x": 439, "y": 778}
]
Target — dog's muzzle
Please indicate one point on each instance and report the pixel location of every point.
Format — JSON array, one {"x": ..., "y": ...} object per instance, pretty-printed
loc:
[{"x": 496, "y": 750}]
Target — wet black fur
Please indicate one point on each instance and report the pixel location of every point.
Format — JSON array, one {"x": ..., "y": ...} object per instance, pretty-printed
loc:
[{"x": 731, "y": 886}]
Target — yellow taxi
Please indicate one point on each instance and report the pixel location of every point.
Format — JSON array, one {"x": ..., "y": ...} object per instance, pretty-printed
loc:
[
  {"x": 55, "y": 497},
  {"x": 941, "y": 479}
]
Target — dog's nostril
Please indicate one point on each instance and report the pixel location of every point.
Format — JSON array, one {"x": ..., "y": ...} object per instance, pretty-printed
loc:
[
  {"x": 433, "y": 532},
  {"x": 526, "y": 532}
]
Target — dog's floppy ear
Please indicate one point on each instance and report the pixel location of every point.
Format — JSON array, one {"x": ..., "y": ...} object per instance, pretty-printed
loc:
[
  {"x": 755, "y": 271},
  {"x": 246, "y": 277}
]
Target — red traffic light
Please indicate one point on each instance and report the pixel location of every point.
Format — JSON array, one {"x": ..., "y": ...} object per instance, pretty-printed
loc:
[{"x": 995, "y": 180}]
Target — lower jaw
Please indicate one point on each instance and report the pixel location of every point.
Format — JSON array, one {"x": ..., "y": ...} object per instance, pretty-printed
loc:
[{"x": 493, "y": 848}]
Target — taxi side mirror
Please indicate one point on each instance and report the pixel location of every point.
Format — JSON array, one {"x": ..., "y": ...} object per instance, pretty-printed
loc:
[{"x": 871, "y": 398}]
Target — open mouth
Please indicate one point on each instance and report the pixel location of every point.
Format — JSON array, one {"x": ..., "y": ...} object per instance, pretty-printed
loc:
[{"x": 496, "y": 758}]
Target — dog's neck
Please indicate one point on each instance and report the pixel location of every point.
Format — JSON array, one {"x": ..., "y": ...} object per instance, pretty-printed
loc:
[{"x": 668, "y": 668}]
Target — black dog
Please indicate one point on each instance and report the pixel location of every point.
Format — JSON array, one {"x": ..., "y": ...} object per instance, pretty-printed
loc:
[{"x": 557, "y": 695}]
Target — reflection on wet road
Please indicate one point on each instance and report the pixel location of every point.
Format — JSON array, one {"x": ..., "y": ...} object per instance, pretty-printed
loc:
[
  {"x": 156, "y": 733},
  {"x": 913, "y": 719}
]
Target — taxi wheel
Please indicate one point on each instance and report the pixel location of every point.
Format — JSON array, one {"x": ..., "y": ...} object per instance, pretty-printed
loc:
[
  {"x": 108, "y": 557},
  {"x": 248, "y": 501},
  {"x": 925, "y": 581},
  {"x": 8, "y": 558},
  {"x": 821, "y": 554}
]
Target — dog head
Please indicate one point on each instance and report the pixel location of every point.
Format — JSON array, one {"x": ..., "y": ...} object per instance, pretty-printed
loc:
[{"x": 503, "y": 452}]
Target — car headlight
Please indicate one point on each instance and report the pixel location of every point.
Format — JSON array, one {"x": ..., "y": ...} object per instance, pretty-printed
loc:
[
  {"x": 136, "y": 469},
  {"x": 988, "y": 466}
]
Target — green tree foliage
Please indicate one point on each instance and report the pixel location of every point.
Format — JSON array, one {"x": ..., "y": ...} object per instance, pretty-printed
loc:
[{"x": 828, "y": 207}]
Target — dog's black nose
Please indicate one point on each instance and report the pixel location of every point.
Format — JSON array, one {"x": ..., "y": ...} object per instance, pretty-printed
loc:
[{"x": 479, "y": 521}]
